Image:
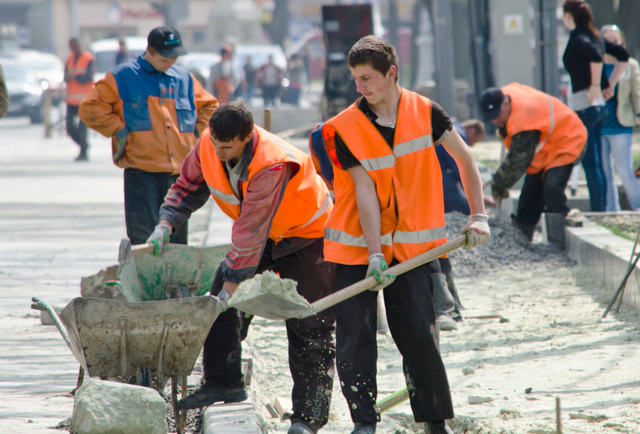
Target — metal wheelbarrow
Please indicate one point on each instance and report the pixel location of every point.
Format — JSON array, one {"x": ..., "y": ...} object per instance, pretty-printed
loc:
[{"x": 145, "y": 318}]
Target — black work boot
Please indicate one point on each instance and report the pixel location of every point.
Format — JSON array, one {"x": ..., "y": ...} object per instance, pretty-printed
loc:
[
  {"x": 555, "y": 223},
  {"x": 525, "y": 228},
  {"x": 443, "y": 302},
  {"x": 364, "y": 428},
  {"x": 206, "y": 395},
  {"x": 437, "y": 428},
  {"x": 299, "y": 427}
]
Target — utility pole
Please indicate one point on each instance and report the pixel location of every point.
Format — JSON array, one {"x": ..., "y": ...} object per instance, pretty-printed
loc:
[
  {"x": 442, "y": 19},
  {"x": 393, "y": 23},
  {"x": 547, "y": 47}
]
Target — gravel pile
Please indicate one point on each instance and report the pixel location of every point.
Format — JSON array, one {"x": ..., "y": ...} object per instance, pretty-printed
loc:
[{"x": 508, "y": 249}]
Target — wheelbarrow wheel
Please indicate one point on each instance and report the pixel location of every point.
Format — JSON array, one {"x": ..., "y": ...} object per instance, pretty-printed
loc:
[{"x": 143, "y": 377}]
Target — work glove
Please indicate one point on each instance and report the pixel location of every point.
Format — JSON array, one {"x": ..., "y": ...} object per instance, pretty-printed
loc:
[
  {"x": 477, "y": 230},
  {"x": 159, "y": 237},
  {"x": 377, "y": 265},
  {"x": 225, "y": 299},
  {"x": 121, "y": 144}
]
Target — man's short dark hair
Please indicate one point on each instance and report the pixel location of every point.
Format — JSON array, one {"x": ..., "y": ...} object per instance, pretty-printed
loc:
[
  {"x": 231, "y": 120},
  {"x": 375, "y": 52}
]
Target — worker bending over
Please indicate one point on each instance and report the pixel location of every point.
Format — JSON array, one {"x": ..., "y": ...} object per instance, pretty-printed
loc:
[
  {"x": 545, "y": 139},
  {"x": 279, "y": 206},
  {"x": 389, "y": 208}
]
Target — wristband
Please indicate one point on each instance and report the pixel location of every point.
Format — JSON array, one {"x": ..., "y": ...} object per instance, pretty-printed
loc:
[{"x": 481, "y": 217}]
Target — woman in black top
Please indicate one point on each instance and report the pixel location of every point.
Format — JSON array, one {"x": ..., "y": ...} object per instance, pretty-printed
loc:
[{"x": 590, "y": 88}]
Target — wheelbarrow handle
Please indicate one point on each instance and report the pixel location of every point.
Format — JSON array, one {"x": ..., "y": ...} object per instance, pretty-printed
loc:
[
  {"x": 370, "y": 282},
  {"x": 39, "y": 304},
  {"x": 143, "y": 249}
]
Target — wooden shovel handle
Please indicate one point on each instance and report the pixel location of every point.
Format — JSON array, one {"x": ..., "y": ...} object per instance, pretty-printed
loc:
[
  {"x": 370, "y": 282},
  {"x": 143, "y": 249}
]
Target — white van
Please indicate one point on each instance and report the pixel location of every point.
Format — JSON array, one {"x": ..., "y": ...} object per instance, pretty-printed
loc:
[{"x": 106, "y": 50}]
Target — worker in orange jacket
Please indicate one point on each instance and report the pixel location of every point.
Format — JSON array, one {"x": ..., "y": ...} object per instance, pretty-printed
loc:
[
  {"x": 279, "y": 206},
  {"x": 545, "y": 139},
  {"x": 78, "y": 74},
  {"x": 154, "y": 111},
  {"x": 389, "y": 208}
]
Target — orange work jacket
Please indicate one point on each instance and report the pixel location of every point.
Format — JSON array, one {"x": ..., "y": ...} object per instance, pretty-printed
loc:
[
  {"x": 407, "y": 178},
  {"x": 306, "y": 203},
  {"x": 76, "y": 91},
  {"x": 562, "y": 133}
]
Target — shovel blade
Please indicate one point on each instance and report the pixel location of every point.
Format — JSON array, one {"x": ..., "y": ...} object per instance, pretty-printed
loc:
[{"x": 271, "y": 306}]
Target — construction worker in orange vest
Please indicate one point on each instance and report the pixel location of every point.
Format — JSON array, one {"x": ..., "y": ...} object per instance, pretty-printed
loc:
[
  {"x": 545, "y": 139},
  {"x": 78, "y": 74},
  {"x": 389, "y": 208},
  {"x": 279, "y": 206}
]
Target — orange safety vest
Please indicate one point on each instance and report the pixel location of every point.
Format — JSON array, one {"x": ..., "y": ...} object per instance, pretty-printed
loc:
[
  {"x": 76, "y": 91},
  {"x": 306, "y": 203},
  {"x": 562, "y": 133},
  {"x": 408, "y": 182}
]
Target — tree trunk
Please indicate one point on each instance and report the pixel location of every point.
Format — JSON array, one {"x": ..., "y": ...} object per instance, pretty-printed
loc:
[
  {"x": 279, "y": 27},
  {"x": 602, "y": 12}
]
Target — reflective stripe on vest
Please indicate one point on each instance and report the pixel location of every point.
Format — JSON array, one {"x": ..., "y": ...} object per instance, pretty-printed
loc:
[
  {"x": 325, "y": 205},
  {"x": 229, "y": 198},
  {"x": 350, "y": 240},
  {"x": 553, "y": 124},
  {"x": 399, "y": 150},
  {"x": 418, "y": 237}
]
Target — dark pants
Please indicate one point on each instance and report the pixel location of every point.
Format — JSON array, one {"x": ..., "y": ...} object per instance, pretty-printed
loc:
[
  {"x": 543, "y": 191},
  {"x": 144, "y": 193},
  {"x": 593, "y": 118},
  {"x": 269, "y": 93},
  {"x": 77, "y": 129},
  {"x": 311, "y": 346},
  {"x": 411, "y": 317}
]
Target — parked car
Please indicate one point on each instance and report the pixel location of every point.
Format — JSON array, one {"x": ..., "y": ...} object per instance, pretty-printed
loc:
[
  {"x": 106, "y": 50},
  {"x": 25, "y": 93},
  {"x": 47, "y": 68},
  {"x": 199, "y": 64}
]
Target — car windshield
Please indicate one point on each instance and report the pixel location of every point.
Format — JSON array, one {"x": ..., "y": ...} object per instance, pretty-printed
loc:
[
  {"x": 201, "y": 63},
  {"x": 16, "y": 72}
]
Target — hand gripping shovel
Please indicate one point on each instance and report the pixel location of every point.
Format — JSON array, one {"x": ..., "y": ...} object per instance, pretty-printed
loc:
[{"x": 280, "y": 306}]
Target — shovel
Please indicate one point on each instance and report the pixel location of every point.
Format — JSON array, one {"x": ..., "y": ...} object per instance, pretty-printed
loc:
[{"x": 277, "y": 306}]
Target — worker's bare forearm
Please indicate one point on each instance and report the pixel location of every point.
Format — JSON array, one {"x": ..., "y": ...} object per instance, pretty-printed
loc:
[{"x": 368, "y": 208}]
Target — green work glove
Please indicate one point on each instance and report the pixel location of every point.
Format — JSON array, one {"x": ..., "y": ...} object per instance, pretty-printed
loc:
[
  {"x": 377, "y": 265},
  {"x": 159, "y": 237}
]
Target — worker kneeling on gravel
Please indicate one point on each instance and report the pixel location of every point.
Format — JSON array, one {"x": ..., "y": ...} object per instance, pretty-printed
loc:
[
  {"x": 545, "y": 139},
  {"x": 279, "y": 206},
  {"x": 389, "y": 208}
]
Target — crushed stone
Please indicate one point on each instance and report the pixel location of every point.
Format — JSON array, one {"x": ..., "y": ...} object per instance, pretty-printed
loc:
[{"x": 507, "y": 249}]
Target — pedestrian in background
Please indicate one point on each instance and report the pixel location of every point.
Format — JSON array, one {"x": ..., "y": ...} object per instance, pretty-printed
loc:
[
  {"x": 590, "y": 88},
  {"x": 78, "y": 74},
  {"x": 269, "y": 77},
  {"x": 296, "y": 73},
  {"x": 4, "y": 96},
  {"x": 123, "y": 55},
  {"x": 249, "y": 81},
  {"x": 617, "y": 133},
  {"x": 222, "y": 77},
  {"x": 154, "y": 111}
]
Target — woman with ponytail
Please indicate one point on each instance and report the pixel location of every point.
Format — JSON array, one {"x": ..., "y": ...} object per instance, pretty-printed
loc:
[{"x": 583, "y": 59}]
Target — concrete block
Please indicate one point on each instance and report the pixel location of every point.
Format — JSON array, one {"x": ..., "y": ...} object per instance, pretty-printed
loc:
[
  {"x": 236, "y": 418},
  {"x": 103, "y": 407}
]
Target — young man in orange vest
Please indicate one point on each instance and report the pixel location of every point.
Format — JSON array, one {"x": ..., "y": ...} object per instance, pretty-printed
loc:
[
  {"x": 78, "y": 74},
  {"x": 389, "y": 208},
  {"x": 279, "y": 206},
  {"x": 545, "y": 139}
]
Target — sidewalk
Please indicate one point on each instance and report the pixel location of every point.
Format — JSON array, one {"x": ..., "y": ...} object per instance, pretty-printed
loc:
[{"x": 60, "y": 221}]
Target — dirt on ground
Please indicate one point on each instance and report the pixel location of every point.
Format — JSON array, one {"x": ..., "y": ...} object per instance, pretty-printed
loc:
[
  {"x": 505, "y": 374},
  {"x": 624, "y": 225}
]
